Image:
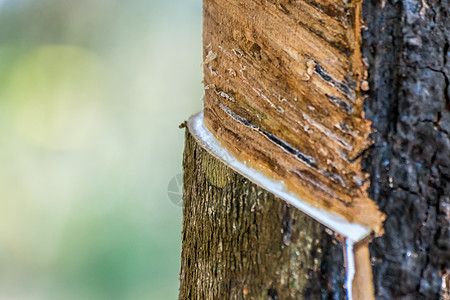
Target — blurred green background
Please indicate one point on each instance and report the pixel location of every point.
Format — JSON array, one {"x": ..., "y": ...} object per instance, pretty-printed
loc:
[{"x": 91, "y": 96}]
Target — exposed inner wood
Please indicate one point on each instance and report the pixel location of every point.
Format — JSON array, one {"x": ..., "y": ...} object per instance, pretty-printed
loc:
[
  {"x": 363, "y": 281},
  {"x": 283, "y": 83}
]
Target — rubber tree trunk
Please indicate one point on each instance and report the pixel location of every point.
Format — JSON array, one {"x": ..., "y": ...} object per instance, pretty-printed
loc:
[
  {"x": 241, "y": 242},
  {"x": 406, "y": 46}
]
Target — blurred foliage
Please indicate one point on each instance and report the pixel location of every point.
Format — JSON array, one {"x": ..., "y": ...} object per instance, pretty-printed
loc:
[{"x": 91, "y": 96}]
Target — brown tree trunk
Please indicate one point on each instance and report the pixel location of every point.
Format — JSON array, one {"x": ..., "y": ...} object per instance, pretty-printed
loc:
[{"x": 239, "y": 241}]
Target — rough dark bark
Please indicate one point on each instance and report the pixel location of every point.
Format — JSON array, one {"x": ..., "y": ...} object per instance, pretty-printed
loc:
[
  {"x": 241, "y": 242},
  {"x": 407, "y": 49}
]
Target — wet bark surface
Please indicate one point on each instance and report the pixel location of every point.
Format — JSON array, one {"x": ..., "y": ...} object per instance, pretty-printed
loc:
[
  {"x": 241, "y": 242},
  {"x": 406, "y": 46}
]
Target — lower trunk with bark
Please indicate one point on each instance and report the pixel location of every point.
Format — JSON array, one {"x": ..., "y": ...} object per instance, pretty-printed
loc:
[{"x": 241, "y": 242}]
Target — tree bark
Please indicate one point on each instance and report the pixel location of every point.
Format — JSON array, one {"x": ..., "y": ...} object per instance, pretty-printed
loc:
[
  {"x": 406, "y": 46},
  {"x": 241, "y": 242}
]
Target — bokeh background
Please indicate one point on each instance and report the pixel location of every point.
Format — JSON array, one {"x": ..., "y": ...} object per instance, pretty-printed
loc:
[{"x": 91, "y": 96}]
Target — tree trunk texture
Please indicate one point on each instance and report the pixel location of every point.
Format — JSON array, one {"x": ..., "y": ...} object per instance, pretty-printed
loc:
[
  {"x": 406, "y": 46},
  {"x": 241, "y": 242},
  {"x": 283, "y": 84}
]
